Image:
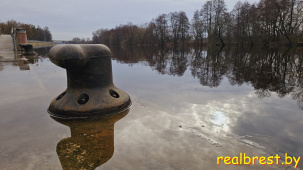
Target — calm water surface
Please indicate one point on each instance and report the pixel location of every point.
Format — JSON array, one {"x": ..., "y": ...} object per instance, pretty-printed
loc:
[
  {"x": 188, "y": 104},
  {"x": 254, "y": 95}
]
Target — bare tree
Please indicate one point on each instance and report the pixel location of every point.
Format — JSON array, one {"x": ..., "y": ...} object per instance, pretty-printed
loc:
[
  {"x": 197, "y": 27},
  {"x": 162, "y": 26},
  {"x": 242, "y": 28},
  {"x": 207, "y": 13},
  {"x": 184, "y": 26},
  {"x": 174, "y": 25},
  {"x": 222, "y": 18},
  {"x": 290, "y": 18}
]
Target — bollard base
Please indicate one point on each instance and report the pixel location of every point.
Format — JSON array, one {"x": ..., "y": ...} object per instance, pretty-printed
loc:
[{"x": 89, "y": 103}]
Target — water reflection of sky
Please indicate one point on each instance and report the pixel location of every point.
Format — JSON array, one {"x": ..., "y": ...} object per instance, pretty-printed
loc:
[
  {"x": 218, "y": 118},
  {"x": 272, "y": 123}
]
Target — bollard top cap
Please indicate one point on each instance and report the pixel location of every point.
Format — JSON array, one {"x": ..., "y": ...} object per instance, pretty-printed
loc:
[{"x": 77, "y": 53}]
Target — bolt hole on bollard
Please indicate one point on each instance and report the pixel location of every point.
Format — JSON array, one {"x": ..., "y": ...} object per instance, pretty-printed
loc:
[
  {"x": 60, "y": 96},
  {"x": 90, "y": 91}
]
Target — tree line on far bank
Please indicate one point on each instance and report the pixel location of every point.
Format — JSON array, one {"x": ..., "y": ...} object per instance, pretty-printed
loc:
[
  {"x": 266, "y": 23},
  {"x": 33, "y": 32}
]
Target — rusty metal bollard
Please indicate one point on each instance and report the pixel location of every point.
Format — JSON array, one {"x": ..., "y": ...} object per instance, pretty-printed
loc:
[
  {"x": 90, "y": 90},
  {"x": 29, "y": 50}
]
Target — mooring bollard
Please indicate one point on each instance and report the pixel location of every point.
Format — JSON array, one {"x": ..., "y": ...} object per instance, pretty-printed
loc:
[
  {"x": 29, "y": 50},
  {"x": 90, "y": 90}
]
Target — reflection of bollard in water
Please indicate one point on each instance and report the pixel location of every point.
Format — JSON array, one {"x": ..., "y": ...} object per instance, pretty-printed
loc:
[
  {"x": 90, "y": 90},
  {"x": 91, "y": 143},
  {"x": 23, "y": 64},
  {"x": 29, "y": 50}
]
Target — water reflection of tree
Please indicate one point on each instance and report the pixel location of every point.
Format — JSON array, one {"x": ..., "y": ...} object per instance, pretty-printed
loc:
[
  {"x": 129, "y": 55},
  {"x": 298, "y": 89},
  {"x": 160, "y": 61},
  {"x": 164, "y": 61},
  {"x": 178, "y": 62},
  {"x": 267, "y": 70},
  {"x": 208, "y": 66}
]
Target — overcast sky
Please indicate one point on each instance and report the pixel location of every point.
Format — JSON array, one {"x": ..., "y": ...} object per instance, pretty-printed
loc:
[{"x": 67, "y": 19}]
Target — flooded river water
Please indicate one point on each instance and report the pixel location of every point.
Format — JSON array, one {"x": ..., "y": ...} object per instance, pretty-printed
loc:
[{"x": 189, "y": 107}]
